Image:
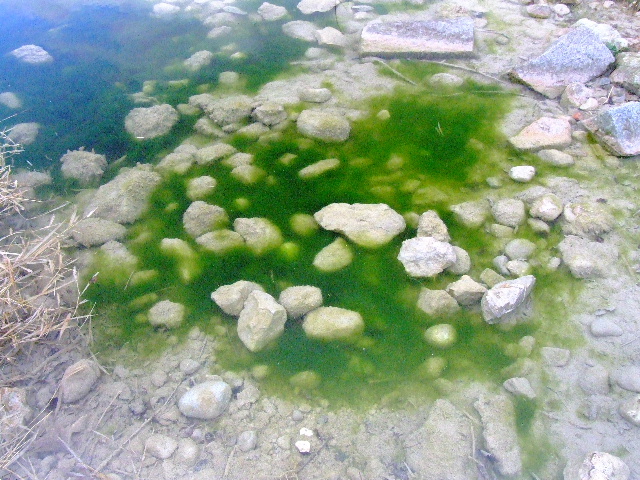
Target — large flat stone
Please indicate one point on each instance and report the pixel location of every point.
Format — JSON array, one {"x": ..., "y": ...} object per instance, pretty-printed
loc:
[
  {"x": 576, "y": 57},
  {"x": 618, "y": 128},
  {"x": 418, "y": 36}
]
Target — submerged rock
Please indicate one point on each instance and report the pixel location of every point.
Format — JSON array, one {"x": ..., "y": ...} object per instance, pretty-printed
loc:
[
  {"x": 32, "y": 54},
  {"x": 437, "y": 303},
  {"x": 618, "y": 128},
  {"x": 231, "y": 298},
  {"x": 125, "y": 198},
  {"x": 221, "y": 241},
  {"x": 301, "y": 30},
  {"x": 90, "y": 232},
  {"x": 261, "y": 321},
  {"x": 205, "y": 401},
  {"x": 300, "y": 300},
  {"x": 24, "y": 133},
  {"x": 226, "y": 110},
  {"x": 14, "y": 414},
  {"x": 471, "y": 214},
  {"x": 627, "y": 72},
  {"x": 259, "y": 234},
  {"x": 335, "y": 256},
  {"x": 78, "y": 380},
  {"x": 202, "y": 217},
  {"x": 166, "y": 314},
  {"x": 453, "y": 36},
  {"x": 426, "y": 256},
  {"x": 10, "y": 100},
  {"x": 576, "y": 57},
  {"x": 431, "y": 225},
  {"x": 466, "y": 291},
  {"x": 312, "y": 6},
  {"x": 323, "y": 125},
  {"x": 85, "y": 167},
  {"x": 442, "y": 335},
  {"x": 333, "y": 323},
  {"x": 145, "y": 123},
  {"x": 587, "y": 259},
  {"x": 505, "y": 298},
  {"x": 270, "y": 12},
  {"x": 199, "y": 60},
  {"x": 598, "y": 466},
  {"x": 587, "y": 219},
  {"x": 368, "y": 225},
  {"x": 544, "y": 133}
]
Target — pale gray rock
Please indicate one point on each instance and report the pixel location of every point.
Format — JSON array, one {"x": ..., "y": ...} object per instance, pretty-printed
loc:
[
  {"x": 333, "y": 323},
  {"x": 576, "y": 95},
  {"x": 260, "y": 234},
  {"x": 594, "y": 380},
  {"x": 368, "y": 225},
  {"x": 10, "y": 100},
  {"x": 490, "y": 277},
  {"x": 221, "y": 241},
  {"x": 85, "y": 167},
  {"x": 599, "y": 466},
  {"x": 618, "y": 128},
  {"x": 539, "y": 10},
  {"x": 505, "y": 298},
  {"x": 576, "y": 57},
  {"x": 426, "y": 256},
  {"x": 199, "y": 60},
  {"x": 630, "y": 410},
  {"x": 627, "y": 378},
  {"x": 335, "y": 256},
  {"x": 32, "y": 54},
  {"x": 520, "y": 249},
  {"x": 451, "y": 36},
  {"x": 603, "y": 327},
  {"x": 587, "y": 259},
  {"x": 522, "y": 173},
  {"x": 313, "y": 6},
  {"x": 300, "y": 300},
  {"x": 547, "y": 207},
  {"x": 167, "y": 314},
  {"x": 440, "y": 448},
  {"x": 78, "y": 380},
  {"x": 24, "y": 133},
  {"x": 188, "y": 452},
  {"x": 231, "y": 298},
  {"x": 201, "y": 217},
  {"x": 627, "y": 72},
  {"x": 437, "y": 303},
  {"x": 556, "y": 158},
  {"x": 247, "y": 440},
  {"x": 445, "y": 80},
  {"x": 117, "y": 256},
  {"x": 200, "y": 187},
  {"x": 163, "y": 9},
  {"x": 544, "y": 133},
  {"x": 509, "y": 212},
  {"x": 499, "y": 432},
  {"x": 270, "y": 113},
  {"x": 300, "y": 29},
  {"x": 205, "y": 401},
  {"x": 176, "y": 162},
  {"x": 331, "y": 36},
  {"x": 323, "y": 125},
  {"x": 125, "y": 198},
  {"x": 212, "y": 153},
  {"x": 442, "y": 335},
  {"x": 91, "y": 232},
  {"x": 160, "y": 446},
  {"x": 462, "y": 265},
  {"x": 224, "y": 110},
  {"x": 431, "y": 225},
  {"x": 555, "y": 357},
  {"x": 315, "y": 95},
  {"x": 520, "y": 387},
  {"x": 471, "y": 214},
  {"x": 270, "y": 12},
  {"x": 518, "y": 268},
  {"x": 606, "y": 33},
  {"x": 319, "y": 168},
  {"x": 466, "y": 291},
  {"x": 145, "y": 123},
  {"x": 261, "y": 321}
]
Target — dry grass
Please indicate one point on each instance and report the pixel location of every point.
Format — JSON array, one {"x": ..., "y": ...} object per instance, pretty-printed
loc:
[{"x": 39, "y": 294}]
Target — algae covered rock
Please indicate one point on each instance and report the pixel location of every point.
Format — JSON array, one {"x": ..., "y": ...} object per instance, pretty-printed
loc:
[
  {"x": 166, "y": 314},
  {"x": 201, "y": 217},
  {"x": 437, "y": 303},
  {"x": 333, "y": 323},
  {"x": 85, "y": 167},
  {"x": 323, "y": 125},
  {"x": 145, "y": 123},
  {"x": 231, "y": 298},
  {"x": 125, "y": 198},
  {"x": 300, "y": 300},
  {"x": 335, "y": 256},
  {"x": 260, "y": 234},
  {"x": 261, "y": 321},
  {"x": 91, "y": 232}
]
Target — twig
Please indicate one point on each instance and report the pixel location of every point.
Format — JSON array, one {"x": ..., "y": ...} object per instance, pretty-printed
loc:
[
  {"x": 106, "y": 461},
  {"x": 467, "y": 69},
  {"x": 227, "y": 465},
  {"x": 107, "y": 409},
  {"x": 396, "y": 72},
  {"x": 494, "y": 32}
]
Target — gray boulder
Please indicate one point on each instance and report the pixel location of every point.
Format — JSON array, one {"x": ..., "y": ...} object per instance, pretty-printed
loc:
[
  {"x": 270, "y": 113},
  {"x": 627, "y": 72},
  {"x": 462, "y": 265},
  {"x": 223, "y": 111},
  {"x": 544, "y": 133},
  {"x": 202, "y": 217},
  {"x": 270, "y": 12},
  {"x": 300, "y": 300},
  {"x": 431, "y": 225},
  {"x": 505, "y": 298},
  {"x": 200, "y": 187},
  {"x": 519, "y": 249},
  {"x": 323, "y": 125},
  {"x": 78, "y": 380},
  {"x": 627, "y": 378},
  {"x": 618, "y": 128},
  {"x": 315, "y": 95},
  {"x": 259, "y": 234},
  {"x": 471, "y": 214},
  {"x": 145, "y": 123},
  {"x": 587, "y": 259},
  {"x": 261, "y": 321},
  {"x": 576, "y": 57},
  {"x": 454, "y": 36},
  {"x": 547, "y": 207},
  {"x": 509, "y": 212},
  {"x": 90, "y": 232},
  {"x": 313, "y": 6},
  {"x": 587, "y": 219},
  {"x": 85, "y": 167},
  {"x": 499, "y": 432},
  {"x": 160, "y": 446},
  {"x": 231, "y": 298},
  {"x": 437, "y": 303},
  {"x": 440, "y": 449},
  {"x": 556, "y": 158},
  {"x": 300, "y": 29},
  {"x": 125, "y": 198},
  {"x": 176, "y": 162},
  {"x": 368, "y": 225},
  {"x": 597, "y": 466},
  {"x": 466, "y": 291},
  {"x": 333, "y": 323},
  {"x": 199, "y": 60},
  {"x": 205, "y": 401},
  {"x": 630, "y": 410},
  {"x": 166, "y": 314},
  {"x": 24, "y": 133},
  {"x": 32, "y": 54},
  {"x": 426, "y": 256}
]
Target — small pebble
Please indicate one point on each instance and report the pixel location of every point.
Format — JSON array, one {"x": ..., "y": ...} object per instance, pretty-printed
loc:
[
  {"x": 303, "y": 446},
  {"x": 522, "y": 173},
  {"x": 188, "y": 366},
  {"x": 247, "y": 440},
  {"x": 297, "y": 416}
]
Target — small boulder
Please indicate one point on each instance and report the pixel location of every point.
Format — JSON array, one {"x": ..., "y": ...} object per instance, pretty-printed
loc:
[
  {"x": 301, "y": 30},
  {"x": 308, "y": 7},
  {"x": 323, "y": 125},
  {"x": 599, "y": 466},
  {"x": 368, "y": 225},
  {"x": 522, "y": 173},
  {"x": 335, "y": 256},
  {"x": 471, "y": 214},
  {"x": 318, "y": 168},
  {"x": 270, "y": 12},
  {"x": 166, "y": 314},
  {"x": 10, "y": 100},
  {"x": 259, "y": 234},
  {"x": 509, "y": 212},
  {"x": 221, "y": 241},
  {"x": 32, "y": 54},
  {"x": 315, "y": 95},
  {"x": 505, "y": 298},
  {"x": 437, "y": 303},
  {"x": 333, "y": 323},
  {"x": 462, "y": 265},
  {"x": 426, "y": 256},
  {"x": 547, "y": 207},
  {"x": 200, "y": 187},
  {"x": 145, "y": 123},
  {"x": 91, "y": 232},
  {"x": 24, "y": 133},
  {"x": 270, "y": 113},
  {"x": 431, "y": 225},
  {"x": 466, "y": 291},
  {"x": 199, "y": 60},
  {"x": 300, "y": 300},
  {"x": 520, "y": 249},
  {"x": 618, "y": 128},
  {"x": 261, "y": 321},
  {"x": 544, "y": 133},
  {"x": 630, "y": 410},
  {"x": 85, "y": 167},
  {"x": 556, "y": 158},
  {"x": 231, "y": 298},
  {"x": 587, "y": 259},
  {"x": 202, "y": 217},
  {"x": 442, "y": 335},
  {"x": 205, "y": 401},
  {"x": 78, "y": 380},
  {"x": 520, "y": 387}
]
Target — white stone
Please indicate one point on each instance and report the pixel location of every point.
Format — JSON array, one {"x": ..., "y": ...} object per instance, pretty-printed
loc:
[
  {"x": 335, "y": 256},
  {"x": 303, "y": 446},
  {"x": 547, "y": 207},
  {"x": 166, "y": 314},
  {"x": 78, "y": 380},
  {"x": 333, "y": 323},
  {"x": 442, "y": 335},
  {"x": 312, "y": 6},
  {"x": 505, "y": 297},
  {"x": 32, "y": 54},
  {"x": 426, "y": 256},
  {"x": 145, "y": 123},
  {"x": 260, "y": 234},
  {"x": 466, "y": 291},
  {"x": 522, "y": 173},
  {"x": 165, "y": 9},
  {"x": 270, "y": 12},
  {"x": 231, "y": 298},
  {"x": 261, "y": 321},
  {"x": 205, "y": 401},
  {"x": 300, "y": 300},
  {"x": 431, "y": 225},
  {"x": 519, "y": 386},
  {"x": 545, "y": 132}
]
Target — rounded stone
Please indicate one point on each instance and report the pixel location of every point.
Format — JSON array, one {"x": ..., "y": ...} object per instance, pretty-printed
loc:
[
  {"x": 300, "y": 300},
  {"x": 333, "y": 323},
  {"x": 160, "y": 446},
  {"x": 78, "y": 380},
  {"x": 442, "y": 335},
  {"x": 522, "y": 173},
  {"x": 519, "y": 249},
  {"x": 426, "y": 256},
  {"x": 166, "y": 314},
  {"x": 206, "y": 400},
  {"x": 323, "y": 125}
]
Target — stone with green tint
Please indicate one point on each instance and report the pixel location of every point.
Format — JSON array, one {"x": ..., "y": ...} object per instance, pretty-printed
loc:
[
  {"x": 442, "y": 335},
  {"x": 333, "y": 323},
  {"x": 323, "y": 125},
  {"x": 261, "y": 321},
  {"x": 260, "y": 234},
  {"x": 221, "y": 241},
  {"x": 335, "y": 256},
  {"x": 166, "y": 314}
]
